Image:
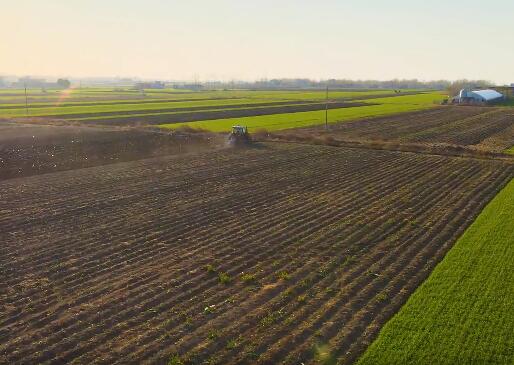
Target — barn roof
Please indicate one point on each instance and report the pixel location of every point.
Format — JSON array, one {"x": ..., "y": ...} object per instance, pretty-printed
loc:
[{"x": 488, "y": 94}]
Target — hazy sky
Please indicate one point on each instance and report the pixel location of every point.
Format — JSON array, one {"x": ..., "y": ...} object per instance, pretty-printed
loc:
[{"x": 225, "y": 39}]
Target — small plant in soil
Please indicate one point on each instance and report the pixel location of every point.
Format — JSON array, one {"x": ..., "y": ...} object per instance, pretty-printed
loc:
[
  {"x": 284, "y": 275},
  {"x": 213, "y": 334},
  {"x": 209, "y": 309},
  {"x": 248, "y": 278},
  {"x": 175, "y": 360},
  {"x": 233, "y": 343},
  {"x": 224, "y": 278}
]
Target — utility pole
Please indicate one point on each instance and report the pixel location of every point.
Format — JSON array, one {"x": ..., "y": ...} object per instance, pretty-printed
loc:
[
  {"x": 26, "y": 100},
  {"x": 326, "y": 109}
]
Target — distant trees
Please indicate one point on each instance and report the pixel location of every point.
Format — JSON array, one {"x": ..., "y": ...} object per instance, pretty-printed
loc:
[
  {"x": 63, "y": 83},
  {"x": 302, "y": 83},
  {"x": 2, "y": 82},
  {"x": 456, "y": 86}
]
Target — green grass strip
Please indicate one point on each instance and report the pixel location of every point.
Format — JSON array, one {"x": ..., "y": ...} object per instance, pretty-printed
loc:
[
  {"x": 388, "y": 106},
  {"x": 464, "y": 312}
]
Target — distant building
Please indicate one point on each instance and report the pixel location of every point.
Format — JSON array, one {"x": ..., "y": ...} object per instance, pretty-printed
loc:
[
  {"x": 32, "y": 83},
  {"x": 186, "y": 86},
  {"x": 487, "y": 96},
  {"x": 150, "y": 85}
]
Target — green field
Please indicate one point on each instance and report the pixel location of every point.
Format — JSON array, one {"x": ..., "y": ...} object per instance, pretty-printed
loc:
[
  {"x": 105, "y": 105},
  {"x": 464, "y": 312},
  {"x": 387, "y": 106},
  {"x": 147, "y": 107},
  {"x": 53, "y": 101},
  {"x": 508, "y": 102}
]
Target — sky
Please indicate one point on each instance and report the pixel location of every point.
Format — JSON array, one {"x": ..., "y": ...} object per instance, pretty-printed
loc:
[{"x": 250, "y": 40}]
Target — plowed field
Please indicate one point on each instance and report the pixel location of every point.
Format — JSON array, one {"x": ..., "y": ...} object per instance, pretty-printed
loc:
[
  {"x": 269, "y": 254},
  {"x": 490, "y": 129},
  {"x": 27, "y": 150}
]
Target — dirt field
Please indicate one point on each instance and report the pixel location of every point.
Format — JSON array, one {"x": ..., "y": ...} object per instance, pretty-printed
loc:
[
  {"x": 144, "y": 260},
  {"x": 480, "y": 128},
  {"x": 27, "y": 150}
]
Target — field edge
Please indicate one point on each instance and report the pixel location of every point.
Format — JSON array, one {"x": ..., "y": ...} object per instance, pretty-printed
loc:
[{"x": 457, "y": 314}]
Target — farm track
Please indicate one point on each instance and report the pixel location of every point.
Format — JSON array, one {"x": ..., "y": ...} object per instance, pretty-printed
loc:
[{"x": 111, "y": 269}]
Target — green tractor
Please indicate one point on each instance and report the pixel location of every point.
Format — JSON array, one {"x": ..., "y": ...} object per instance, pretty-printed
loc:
[{"x": 239, "y": 136}]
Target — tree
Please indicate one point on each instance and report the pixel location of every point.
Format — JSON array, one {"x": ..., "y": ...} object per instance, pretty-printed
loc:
[
  {"x": 63, "y": 83},
  {"x": 458, "y": 85}
]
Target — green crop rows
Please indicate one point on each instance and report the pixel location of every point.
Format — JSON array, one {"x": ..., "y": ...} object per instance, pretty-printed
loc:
[
  {"x": 387, "y": 106},
  {"x": 463, "y": 313},
  {"x": 105, "y": 105}
]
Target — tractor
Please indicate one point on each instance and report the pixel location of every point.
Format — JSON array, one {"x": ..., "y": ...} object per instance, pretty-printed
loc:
[{"x": 239, "y": 136}]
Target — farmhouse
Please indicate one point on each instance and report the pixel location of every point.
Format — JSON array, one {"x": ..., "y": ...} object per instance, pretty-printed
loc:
[{"x": 478, "y": 97}]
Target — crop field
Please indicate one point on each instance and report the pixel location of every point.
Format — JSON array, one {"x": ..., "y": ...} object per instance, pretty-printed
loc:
[
  {"x": 272, "y": 122},
  {"x": 127, "y": 244},
  {"x": 463, "y": 312},
  {"x": 187, "y": 259},
  {"x": 481, "y": 128},
  {"x": 217, "y": 109},
  {"x": 91, "y": 96}
]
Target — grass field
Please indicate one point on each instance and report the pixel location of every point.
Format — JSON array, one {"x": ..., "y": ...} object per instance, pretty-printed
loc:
[
  {"x": 211, "y": 110},
  {"x": 387, "y": 106},
  {"x": 463, "y": 313},
  {"x": 55, "y": 100},
  {"x": 508, "y": 102},
  {"x": 146, "y": 108}
]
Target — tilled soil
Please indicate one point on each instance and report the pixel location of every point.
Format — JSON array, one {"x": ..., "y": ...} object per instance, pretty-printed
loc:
[
  {"x": 482, "y": 128},
  {"x": 27, "y": 150},
  {"x": 121, "y": 263}
]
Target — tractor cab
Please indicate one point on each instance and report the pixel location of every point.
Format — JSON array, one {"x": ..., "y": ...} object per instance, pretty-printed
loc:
[
  {"x": 239, "y": 135},
  {"x": 239, "y": 130}
]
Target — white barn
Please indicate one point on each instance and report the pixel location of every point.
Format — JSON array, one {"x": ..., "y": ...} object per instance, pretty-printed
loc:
[{"x": 478, "y": 96}]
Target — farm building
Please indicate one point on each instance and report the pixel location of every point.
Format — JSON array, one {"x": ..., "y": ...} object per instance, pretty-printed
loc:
[
  {"x": 149, "y": 85},
  {"x": 478, "y": 96}
]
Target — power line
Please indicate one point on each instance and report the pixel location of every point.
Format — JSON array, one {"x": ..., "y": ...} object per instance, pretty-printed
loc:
[
  {"x": 326, "y": 109},
  {"x": 26, "y": 100}
]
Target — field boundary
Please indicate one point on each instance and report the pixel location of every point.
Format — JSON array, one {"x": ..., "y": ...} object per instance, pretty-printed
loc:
[
  {"x": 435, "y": 150},
  {"x": 462, "y": 312}
]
